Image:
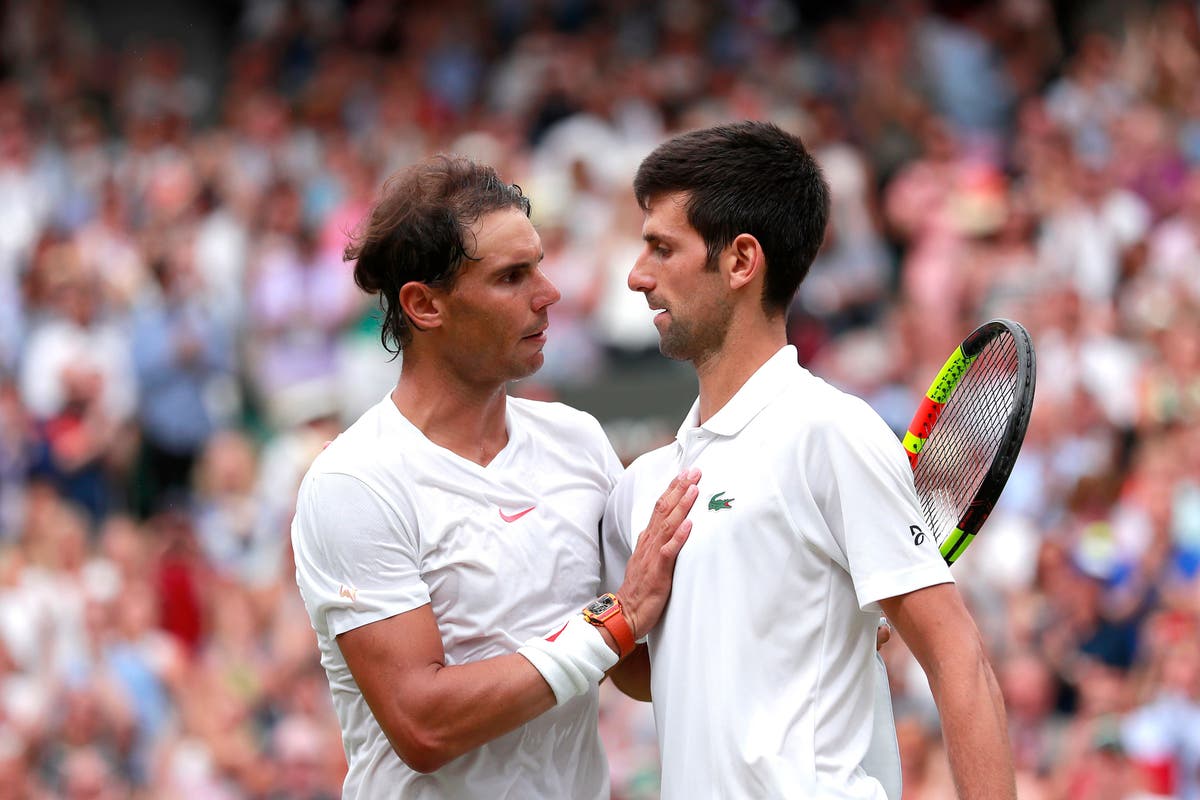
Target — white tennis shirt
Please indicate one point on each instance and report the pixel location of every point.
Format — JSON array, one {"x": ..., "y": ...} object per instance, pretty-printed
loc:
[
  {"x": 387, "y": 521},
  {"x": 763, "y": 665}
]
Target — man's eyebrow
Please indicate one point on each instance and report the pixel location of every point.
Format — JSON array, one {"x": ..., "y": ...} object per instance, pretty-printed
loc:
[{"x": 522, "y": 264}]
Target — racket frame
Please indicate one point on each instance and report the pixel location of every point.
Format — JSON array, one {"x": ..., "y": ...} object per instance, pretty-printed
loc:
[{"x": 940, "y": 393}]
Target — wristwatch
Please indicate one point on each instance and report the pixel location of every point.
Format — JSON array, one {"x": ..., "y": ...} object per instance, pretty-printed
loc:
[{"x": 605, "y": 612}]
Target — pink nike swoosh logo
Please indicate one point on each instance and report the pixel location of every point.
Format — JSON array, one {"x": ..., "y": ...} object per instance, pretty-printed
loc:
[{"x": 516, "y": 516}]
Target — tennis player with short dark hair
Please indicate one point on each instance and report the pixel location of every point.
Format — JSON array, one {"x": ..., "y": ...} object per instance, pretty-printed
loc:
[
  {"x": 443, "y": 535},
  {"x": 763, "y": 664}
]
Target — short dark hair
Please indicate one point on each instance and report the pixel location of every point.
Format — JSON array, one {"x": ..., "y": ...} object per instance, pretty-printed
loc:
[
  {"x": 418, "y": 230},
  {"x": 747, "y": 177}
]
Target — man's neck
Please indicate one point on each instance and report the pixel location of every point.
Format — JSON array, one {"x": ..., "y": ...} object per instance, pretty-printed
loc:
[
  {"x": 466, "y": 419},
  {"x": 722, "y": 374}
]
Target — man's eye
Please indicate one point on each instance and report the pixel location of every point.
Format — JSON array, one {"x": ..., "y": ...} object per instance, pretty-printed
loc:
[{"x": 661, "y": 252}]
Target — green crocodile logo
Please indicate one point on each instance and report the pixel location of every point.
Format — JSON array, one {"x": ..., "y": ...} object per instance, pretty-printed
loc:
[{"x": 717, "y": 502}]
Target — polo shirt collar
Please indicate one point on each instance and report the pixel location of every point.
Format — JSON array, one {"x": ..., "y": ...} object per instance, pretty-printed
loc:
[{"x": 762, "y": 387}]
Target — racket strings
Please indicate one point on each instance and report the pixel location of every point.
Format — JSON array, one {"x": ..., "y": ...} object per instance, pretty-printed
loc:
[{"x": 957, "y": 456}]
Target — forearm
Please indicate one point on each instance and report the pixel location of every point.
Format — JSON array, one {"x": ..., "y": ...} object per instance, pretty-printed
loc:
[
  {"x": 452, "y": 710},
  {"x": 632, "y": 675},
  {"x": 462, "y": 707},
  {"x": 938, "y": 629},
  {"x": 975, "y": 729},
  {"x": 432, "y": 713}
]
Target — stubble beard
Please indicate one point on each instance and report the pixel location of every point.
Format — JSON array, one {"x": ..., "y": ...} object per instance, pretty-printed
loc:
[
  {"x": 486, "y": 366},
  {"x": 696, "y": 340}
]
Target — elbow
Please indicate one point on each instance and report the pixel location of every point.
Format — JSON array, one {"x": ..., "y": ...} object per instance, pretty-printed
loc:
[
  {"x": 422, "y": 760},
  {"x": 419, "y": 747}
]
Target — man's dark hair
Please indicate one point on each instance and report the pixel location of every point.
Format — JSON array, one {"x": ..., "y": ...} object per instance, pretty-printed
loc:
[
  {"x": 747, "y": 177},
  {"x": 420, "y": 230}
]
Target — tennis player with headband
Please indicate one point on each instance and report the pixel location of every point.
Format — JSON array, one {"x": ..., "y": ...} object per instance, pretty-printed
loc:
[
  {"x": 763, "y": 673},
  {"x": 450, "y": 529}
]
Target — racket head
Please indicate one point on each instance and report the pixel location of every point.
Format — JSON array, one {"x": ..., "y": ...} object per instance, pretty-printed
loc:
[{"x": 968, "y": 431}]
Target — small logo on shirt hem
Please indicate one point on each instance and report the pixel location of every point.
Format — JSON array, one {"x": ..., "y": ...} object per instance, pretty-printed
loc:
[{"x": 347, "y": 592}]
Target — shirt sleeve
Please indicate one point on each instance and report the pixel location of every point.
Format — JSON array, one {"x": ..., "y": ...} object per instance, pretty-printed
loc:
[
  {"x": 607, "y": 460},
  {"x": 616, "y": 541},
  {"x": 612, "y": 464},
  {"x": 357, "y": 562},
  {"x": 863, "y": 488}
]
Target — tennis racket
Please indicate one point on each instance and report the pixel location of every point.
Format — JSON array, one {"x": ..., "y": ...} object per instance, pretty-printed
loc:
[{"x": 966, "y": 434}]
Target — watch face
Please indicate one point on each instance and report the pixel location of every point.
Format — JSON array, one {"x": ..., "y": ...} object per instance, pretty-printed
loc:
[{"x": 600, "y": 605}]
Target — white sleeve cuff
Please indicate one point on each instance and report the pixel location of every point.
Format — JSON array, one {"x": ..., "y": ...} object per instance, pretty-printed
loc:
[
  {"x": 894, "y": 584},
  {"x": 574, "y": 661}
]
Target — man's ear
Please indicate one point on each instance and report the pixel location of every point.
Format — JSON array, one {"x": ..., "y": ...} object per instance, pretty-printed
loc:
[
  {"x": 746, "y": 261},
  {"x": 421, "y": 304}
]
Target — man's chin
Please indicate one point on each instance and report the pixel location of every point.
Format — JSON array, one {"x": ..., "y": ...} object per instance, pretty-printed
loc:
[
  {"x": 672, "y": 353},
  {"x": 672, "y": 349},
  {"x": 529, "y": 367}
]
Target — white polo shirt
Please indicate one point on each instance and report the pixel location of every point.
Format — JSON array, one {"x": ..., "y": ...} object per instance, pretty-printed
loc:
[
  {"x": 763, "y": 665},
  {"x": 387, "y": 521}
]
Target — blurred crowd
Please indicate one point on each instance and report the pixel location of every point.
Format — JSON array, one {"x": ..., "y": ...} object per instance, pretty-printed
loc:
[{"x": 179, "y": 335}]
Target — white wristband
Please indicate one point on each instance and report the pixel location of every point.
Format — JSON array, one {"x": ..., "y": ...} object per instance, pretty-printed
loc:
[{"x": 574, "y": 662}]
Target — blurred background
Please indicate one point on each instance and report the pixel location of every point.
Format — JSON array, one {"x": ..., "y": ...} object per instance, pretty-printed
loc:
[{"x": 179, "y": 335}]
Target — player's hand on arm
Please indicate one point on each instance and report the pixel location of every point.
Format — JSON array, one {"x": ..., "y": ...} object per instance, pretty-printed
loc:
[
  {"x": 938, "y": 629},
  {"x": 430, "y": 712},
  {"x": 648, "y": 574}
]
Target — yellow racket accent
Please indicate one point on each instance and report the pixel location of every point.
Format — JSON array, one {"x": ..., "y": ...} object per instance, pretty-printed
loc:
[
  {"x": 955, "y": 544},
  {"x": 951, "y": 373},
  {"x": 934, "y": 401}
]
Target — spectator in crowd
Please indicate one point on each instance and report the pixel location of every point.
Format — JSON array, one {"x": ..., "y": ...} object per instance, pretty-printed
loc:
[
  {"x": 300, "y": 300},
  {"x": 77, "y": 382},
  {"x": 182, "y": 354}
]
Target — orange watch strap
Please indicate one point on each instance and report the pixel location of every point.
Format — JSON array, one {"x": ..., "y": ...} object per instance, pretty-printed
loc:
[
  {"x": 618, "y": 626},
  {"x": 612, "y": 619}
]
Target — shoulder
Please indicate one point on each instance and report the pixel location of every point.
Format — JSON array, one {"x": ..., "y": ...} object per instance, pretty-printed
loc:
[
  {"x": 352, "y": 485},
  {"x": 565, "y": 438},
  {"x": 553, "y": 413},
  {"x": 814, "y": 424},
  {"x": 809, "y": 408},
  {"x": 650, "y": 465},
  {"x": 647, "y": 476},
  {"x": 370, "y": 444},
  {"x": 829, "y": 412},
  {"x": 557, "y": 420}
]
